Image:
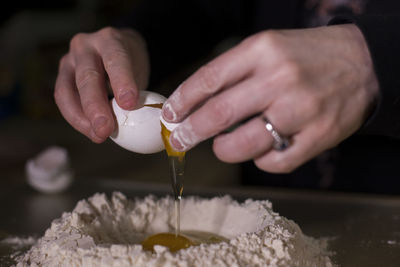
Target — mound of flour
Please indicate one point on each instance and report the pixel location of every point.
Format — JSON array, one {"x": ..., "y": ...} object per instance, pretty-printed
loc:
[{"x": 107, "y": 232}]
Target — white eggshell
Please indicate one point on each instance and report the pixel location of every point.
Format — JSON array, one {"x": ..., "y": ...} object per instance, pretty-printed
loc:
[
  {"x": 139, "y": 130},
  {"x": 49, "y": 172},
  {"x": 169, "y": 125}
]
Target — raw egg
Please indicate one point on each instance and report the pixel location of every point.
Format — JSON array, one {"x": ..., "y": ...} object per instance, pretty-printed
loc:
[
  {"x": 169, "y": 240},
  {"x": 139, "y": 129},
  {"x": 176, "y": 242}
]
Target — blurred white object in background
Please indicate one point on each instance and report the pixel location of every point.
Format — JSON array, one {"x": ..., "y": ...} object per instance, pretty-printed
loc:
[{"x": 49, "y": 171}]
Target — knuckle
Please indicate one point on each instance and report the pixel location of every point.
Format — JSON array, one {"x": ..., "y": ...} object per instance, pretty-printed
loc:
[
  {"x": 91, "y": 108},
  {"x": 221, "y": 113},
  {"x": 86, "y": 76},
  {"x": 270, "y": 39},
  {"x": 272, "y": 36},
  {"x": 275, "y": 41},
  {"x": 59, "y": 91},
  {"x": 57, "y": 94},
  {"x": 77, "y": 40},
  {"x": 64, "y": 61},
  {"x": 81, "y": 124},
  {"x": 113, "y": 59},
  {"x": 208, "y": 78},
  {"x": 110, "y": 32},
  {"x": 292, "y": 70}
]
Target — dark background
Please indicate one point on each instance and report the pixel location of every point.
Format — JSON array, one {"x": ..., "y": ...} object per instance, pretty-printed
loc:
[{"x": 33, "y": 37}]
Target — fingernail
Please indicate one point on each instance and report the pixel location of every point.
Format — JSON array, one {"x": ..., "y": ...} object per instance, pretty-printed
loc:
[
  {"x": 183, "y": 137},
  {"x": 127, "y": 99},
  {"x": 168, "y": 113},
  {"x": 98, "y": 124},
  {"x": 175, "y": 141}
]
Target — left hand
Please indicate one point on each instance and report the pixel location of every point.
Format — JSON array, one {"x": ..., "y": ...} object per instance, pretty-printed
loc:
[{"x": 316, "y": 86}]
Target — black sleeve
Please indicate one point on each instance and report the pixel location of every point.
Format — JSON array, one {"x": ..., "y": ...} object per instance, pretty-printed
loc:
[
  {"x": 382, "y": 35},
  {"x": 179, "y": 31}
]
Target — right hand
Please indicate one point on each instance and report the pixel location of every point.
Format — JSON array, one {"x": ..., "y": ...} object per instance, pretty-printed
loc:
[{"x": 115, "y": 55}]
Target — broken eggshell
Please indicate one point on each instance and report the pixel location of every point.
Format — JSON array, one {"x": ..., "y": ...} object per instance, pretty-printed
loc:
[
  {"x": 139, "y": 130},
  {"x": 50, "y": 172}
]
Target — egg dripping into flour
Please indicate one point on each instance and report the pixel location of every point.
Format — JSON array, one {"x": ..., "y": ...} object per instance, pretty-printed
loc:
[
  {"x": 142, "y": 131},
  {"x": 139, "y": 131}
]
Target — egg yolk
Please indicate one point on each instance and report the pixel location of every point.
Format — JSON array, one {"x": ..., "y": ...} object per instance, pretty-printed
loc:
[
  {"x": 170, "y": 151},
  {"x": 165, "y": 133},
  {"x": 158, "y": 105},
  {"x": 169, "y": 240}
]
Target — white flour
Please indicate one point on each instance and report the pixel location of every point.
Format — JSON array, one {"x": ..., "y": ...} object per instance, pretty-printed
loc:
[
  {"x": 18, "y": 242},
  {"x": 108, "y": 232}
]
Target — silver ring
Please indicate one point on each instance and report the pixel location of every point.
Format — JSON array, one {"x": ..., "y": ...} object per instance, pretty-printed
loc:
[{"x": 280, "y": 142}]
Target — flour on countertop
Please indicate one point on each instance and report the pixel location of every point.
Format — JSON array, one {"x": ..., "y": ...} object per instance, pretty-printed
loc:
[
  {"x": 16, "y": 242},
  {"x": 107, "y": 232}
]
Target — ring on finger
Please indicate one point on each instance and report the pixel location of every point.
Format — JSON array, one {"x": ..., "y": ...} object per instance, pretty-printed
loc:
[{"x": 280, "y": 142}]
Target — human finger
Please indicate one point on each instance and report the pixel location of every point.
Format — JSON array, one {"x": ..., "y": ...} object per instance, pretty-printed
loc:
[
  {"x": 118, "y": 65},
  {"x": 252, "y": 138},
  {"x": 91, "y": 85},
  {"x": 220, "y": 73},
  {"x": 304, "y": 146},
  {"x": 221, "y": 112},
  {"x": 68, "y": 100},
  {"x": 248, "y": 141},
  {"x": 291, "y": 107}
]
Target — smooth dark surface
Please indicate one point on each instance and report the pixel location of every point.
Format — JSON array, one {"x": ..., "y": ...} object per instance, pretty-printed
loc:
[{"x": 365, "y": 229}]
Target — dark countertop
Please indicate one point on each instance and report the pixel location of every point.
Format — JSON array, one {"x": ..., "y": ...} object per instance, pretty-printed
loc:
[
  {"x": 25, "y": 212},
  {"x": 365, "y": 229}
]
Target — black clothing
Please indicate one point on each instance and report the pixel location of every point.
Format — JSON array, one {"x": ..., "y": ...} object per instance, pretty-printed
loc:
[{"x": 178, "y": 32}]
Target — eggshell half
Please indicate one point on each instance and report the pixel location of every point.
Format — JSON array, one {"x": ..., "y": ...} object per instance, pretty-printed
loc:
[{"x": 139, "y": 130}]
